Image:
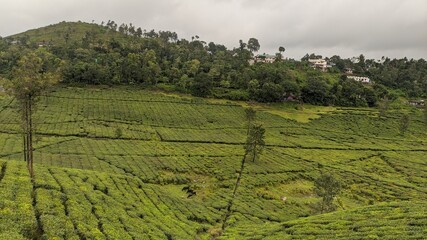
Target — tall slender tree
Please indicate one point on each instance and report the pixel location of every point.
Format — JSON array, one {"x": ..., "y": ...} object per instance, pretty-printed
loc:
[
  {"x": 383, "y": 107},
  {"x": 425, "y": 113},
  {"x": 33, "y": 74},
  {"x": 279, "y": 55},
  {"x": 250, "y": 115},
  {"x": 253, "y": 148},
  {"x": 404, "y": 124},
  {"x": 255, "y": 142}
]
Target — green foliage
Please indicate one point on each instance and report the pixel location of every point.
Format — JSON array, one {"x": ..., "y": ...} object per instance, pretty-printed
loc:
[
  {"x": 385, "y": 221},
  {"x": 90, "y": 184},
  {"x": 383, "y": 107},
  {"x": 255, "y": 142},
  {"x": 425, "y": 113},
  {"x": 201, "y": 86},
  {"x": 351, "y": 93},
  {"x": 123, "y": 54},
  {"x": 253, "y": 45},
  {"x": 17, "y": 215},
  {"x": 316, "y": 92},
  {"x": 250, "y": 115},
  {"x": 404, "y": 124},
  {"x": 327, "y": 187},
  {"x": 119, "y": 132},
  {"x": 33, "y": 73}
]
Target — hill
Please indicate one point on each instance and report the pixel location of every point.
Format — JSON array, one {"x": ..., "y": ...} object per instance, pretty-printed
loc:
[
  {"x": 114, "y": 55},
  {"x": 116, "y": 163},
  {"x": 63, "y": 33}
]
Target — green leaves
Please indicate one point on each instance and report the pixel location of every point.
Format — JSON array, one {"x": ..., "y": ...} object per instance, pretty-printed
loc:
[
  {"x": 34, "y": 73},
  {"x": 17, "y": 215},
  {"x": 327, "y": 187},
  {"x": 255, "y": 142}
]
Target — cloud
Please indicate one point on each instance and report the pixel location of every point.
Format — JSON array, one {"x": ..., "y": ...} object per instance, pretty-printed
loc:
[{"x": 394, "y": 28}]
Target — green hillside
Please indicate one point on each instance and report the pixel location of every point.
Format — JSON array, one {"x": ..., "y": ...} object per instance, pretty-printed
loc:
[
  {"x": 109, "y": 54},
  {"x": 65, "y": 33},
  {"x": 112, "y": 163},
  {"x": 402, "y": 220}
]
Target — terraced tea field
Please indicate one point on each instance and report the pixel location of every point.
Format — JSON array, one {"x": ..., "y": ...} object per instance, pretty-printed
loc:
[{"x": 111, "y": 163}]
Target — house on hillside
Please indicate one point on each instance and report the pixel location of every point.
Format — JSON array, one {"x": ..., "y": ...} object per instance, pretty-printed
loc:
[
  {"x": 348, "y": 71},
  {"x": 416, "y": 103},
  {"x": 320, "y": 64},
  {"x": 44, "y": 44},
  {"x": 360, "y": 79},
  {"x": 265, "y": 58}
]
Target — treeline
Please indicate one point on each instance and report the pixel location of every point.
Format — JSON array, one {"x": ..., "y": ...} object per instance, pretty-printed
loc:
[
  {"x": 406, "y": 75},
  {"x": 124, "y": 54}
]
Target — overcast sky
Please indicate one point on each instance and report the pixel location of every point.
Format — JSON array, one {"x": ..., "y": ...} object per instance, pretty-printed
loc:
[{"x": 394, "y": 28}]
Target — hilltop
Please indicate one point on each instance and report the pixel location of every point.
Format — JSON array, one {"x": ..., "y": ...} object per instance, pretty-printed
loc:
[
  {"x": 63, "y": 33},
  {"x": 113, "y": 54}
]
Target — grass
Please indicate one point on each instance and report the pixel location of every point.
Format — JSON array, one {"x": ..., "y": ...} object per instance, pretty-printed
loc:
[{"x": 94, "y": 183}]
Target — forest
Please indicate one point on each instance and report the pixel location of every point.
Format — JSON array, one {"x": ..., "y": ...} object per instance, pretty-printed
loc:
[{"x": 112, "y": 54}]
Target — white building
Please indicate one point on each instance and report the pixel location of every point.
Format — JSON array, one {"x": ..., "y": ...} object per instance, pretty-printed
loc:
[
  {"x": 265, "y": 58},
  {"x": 360, "y": 79},
  {"x": 321, "y": 64},
  {"x": 416, "y": 103}
]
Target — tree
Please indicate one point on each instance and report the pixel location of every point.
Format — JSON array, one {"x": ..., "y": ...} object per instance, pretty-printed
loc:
[
  {"x": 270, "y": 92},
  {"x": 202, "y": 85},
  {"x": 253, "y": 148},
  {"x": 34, "y": 73},
  {"x": 279, "y": 55},
  {"x": 425, "y": 108},
  {"x": 242, "y": 45},
  {"x": 192, "y": 67},
  {"x": 255, "y": 142},
  {"x": 404, "y": 124},
  {"x": 250, "y": 115},
  {"x": 425, "y": 113},
  {"x": 316, "y": 92},
  {"x": 253, "y": 45},
  {"x": 138, "y": 32},
  {"x": 327, "y": 187},
  {"x": 383, "y": 107},
  {"x": 66, "y": 37},
  {"x": 151, "y": 68}
]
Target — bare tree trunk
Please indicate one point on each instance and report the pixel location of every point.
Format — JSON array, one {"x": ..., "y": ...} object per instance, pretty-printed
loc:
[
  {"x": 25, "y": 145},
  {"x": 230, "y": 204},
  {"x": 27, "y": 124},
  {"x": 253, "y": 160},
  {"x": 30, "y": 139},
  {"x": 24, "y": 129}
]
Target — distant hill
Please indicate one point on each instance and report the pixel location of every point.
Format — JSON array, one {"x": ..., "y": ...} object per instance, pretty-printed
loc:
[
  {"x": 60, "y": 33},
  {"x": 125, "y": 54}
]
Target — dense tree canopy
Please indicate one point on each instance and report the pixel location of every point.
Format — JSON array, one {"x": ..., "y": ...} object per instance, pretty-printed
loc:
[{"x": 126, "y": 54}]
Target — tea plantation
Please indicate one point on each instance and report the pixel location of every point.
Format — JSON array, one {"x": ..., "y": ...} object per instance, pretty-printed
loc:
[{"x": 117, "y": 163}]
